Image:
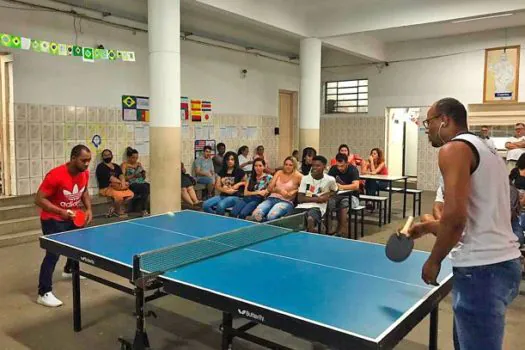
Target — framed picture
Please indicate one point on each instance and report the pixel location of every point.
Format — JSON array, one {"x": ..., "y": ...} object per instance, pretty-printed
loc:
[{"x": 500, "y": 84}]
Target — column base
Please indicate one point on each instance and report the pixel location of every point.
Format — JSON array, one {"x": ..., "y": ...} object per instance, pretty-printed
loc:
[
  {"x": 309, "y": 138},
  {"x": 165, "y": 159}
]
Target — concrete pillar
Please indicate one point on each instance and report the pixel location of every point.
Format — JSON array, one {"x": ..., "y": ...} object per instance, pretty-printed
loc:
[
  {"x": 310, "y": 93},
  {"x": 165, "y": 128}
]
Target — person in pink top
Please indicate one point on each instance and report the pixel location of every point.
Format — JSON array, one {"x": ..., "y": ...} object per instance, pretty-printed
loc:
[{"x": 283, "y": 190}]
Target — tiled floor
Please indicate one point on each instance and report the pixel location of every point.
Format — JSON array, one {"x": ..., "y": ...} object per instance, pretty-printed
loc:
[{"x": 181, "y": 324}]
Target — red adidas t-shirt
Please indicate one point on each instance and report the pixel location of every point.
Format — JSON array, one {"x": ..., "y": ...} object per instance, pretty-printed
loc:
[{"x": 63, "y": 190}]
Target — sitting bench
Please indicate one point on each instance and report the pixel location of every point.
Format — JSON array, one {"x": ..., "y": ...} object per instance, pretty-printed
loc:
[
  {"x": 359, "y": 215},
  {"x": 416, "y": 197},
  {"x": 382, "y": 205}
]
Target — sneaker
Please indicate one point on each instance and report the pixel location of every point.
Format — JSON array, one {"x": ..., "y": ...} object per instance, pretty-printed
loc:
[
  {"x": 68, "y": 275},
  {"x": 49, "y": 300}
]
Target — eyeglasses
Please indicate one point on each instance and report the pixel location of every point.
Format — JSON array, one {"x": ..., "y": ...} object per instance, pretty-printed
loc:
[{"x": 426, "y": 121}]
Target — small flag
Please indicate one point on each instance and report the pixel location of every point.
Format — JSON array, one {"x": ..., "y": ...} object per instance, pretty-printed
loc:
[
  {"x": 196, "y": 110},
  {"x": 131, "y": 56},
  {"x": 77, "y": 51},
  {"x": 99, "y": 54},
  {"x": 87, "y": 54},
  {"x": 70, "y": 50},
  {"x": 62, "y": 50},
  {"x": 184, "y": 108},
  {"x": 5, "y": 39},
  {"x": 112, "y": 55},
  {"x": 16, "y": 42},
  {"x": 53, "y": 49},
  {"x": 26, "y": 43},
  {"x": 119, "y": 54},
  {"x": 44, "y": 46},
  {"x": 206, "y": 110},
  {"x": 35, "y": 45}
]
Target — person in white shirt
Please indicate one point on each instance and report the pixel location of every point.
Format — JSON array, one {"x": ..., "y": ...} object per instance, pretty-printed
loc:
[
  {"x": 484, "y": 134},
  {"x": 437, "y": 208},
  {"x": 475, "y": 229},
  {"x": 314, "y": 192},
  {"x": 515, "y": 145},
  {"x": 245, "y": 161}
]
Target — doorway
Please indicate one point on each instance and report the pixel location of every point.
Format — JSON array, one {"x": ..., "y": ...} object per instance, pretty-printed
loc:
[
  {"x": 287, "y": 111},
  {"x": 403, "y": 134},
  {"x": 7, "y": 151}
]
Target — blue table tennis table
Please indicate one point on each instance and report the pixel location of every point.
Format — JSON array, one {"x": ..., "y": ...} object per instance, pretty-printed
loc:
[{"x": 341, "y": 292}]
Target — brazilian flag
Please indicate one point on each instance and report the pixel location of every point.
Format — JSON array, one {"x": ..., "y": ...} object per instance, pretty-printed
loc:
[
  {"x": 35, "y": 45},
  {"x": 53, "y": 49},
  {"x": 112, "y": 55},
  {"x": 77, "y": 51},
  {"x": 8, "y": 40}
]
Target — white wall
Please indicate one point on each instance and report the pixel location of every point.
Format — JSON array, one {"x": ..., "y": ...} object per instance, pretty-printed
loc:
[
  {"x": 207, "y": 72},
  {"x": 422, "y": 82}
]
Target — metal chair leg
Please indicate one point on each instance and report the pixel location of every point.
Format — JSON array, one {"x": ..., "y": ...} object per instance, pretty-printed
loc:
[{"x": 362, "y": 223}]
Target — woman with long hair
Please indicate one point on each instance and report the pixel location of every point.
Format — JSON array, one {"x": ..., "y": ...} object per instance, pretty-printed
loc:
[
  {"x": 283, "y": 191},
  {"x": 136, "y": 176},
  {"x": 187, "y": 187},
  {"x": 375, "y": 166},
  {"x": 353, "y": 159},
  {"x": 255, "y": 192},
  {"x": 229, "y": 186},
  {"x": 306, "y": 161}
]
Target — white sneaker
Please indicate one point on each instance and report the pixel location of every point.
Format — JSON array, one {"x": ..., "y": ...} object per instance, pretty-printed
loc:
[
  {"x": 48, "y": 299},
  {"x": 70, "y": 275}
]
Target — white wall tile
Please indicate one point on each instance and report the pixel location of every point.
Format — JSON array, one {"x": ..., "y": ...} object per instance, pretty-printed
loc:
[
  {"x": 34, "y": 114},
  {"x": 23, "y": 187},
  {"x": 58, "y": 132},
  {"x": 22, "y": 150},
  {"x": 81, "y": 131},
  {"x": 48, "y": 132},
  {"x": 70, "y": 114},
  {"x": 20, "y": 112},
  {"x": 35, "y": 149},
  {"x": 102, "y": 115},
  {"x": 22, "y": 168},
  {"x": 111, "y": 132},
  {"x": 92, "y": 115},
  {"x": 47, "y": 114},
  {"x": 21, "y": 131},
  {"x": 47, "y": 165},
  {"x": 58, "y": 114},
  {"x": 59, "y": 161},
  {"x": 47, "y": 150},
  {"x": 70, "y": 132},
  {"x": 81, "y": 114},
  {"x": 68, "y": 147},
  {"x": 35, "y": 184},
  {"x": 58, "y": 149},
  {"x": 35, "y": 132}
]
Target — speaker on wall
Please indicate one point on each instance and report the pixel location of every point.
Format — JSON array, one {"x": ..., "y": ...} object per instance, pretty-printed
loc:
[{"x": 276, "y": 131}]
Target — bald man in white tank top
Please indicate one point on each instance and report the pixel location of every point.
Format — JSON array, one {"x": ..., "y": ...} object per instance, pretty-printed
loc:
[{"x": 474, "y": 230}]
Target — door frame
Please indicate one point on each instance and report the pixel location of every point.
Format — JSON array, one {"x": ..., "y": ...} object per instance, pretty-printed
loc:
[
  {"x": 294, "y": 123},
  {"x": 7, "y": 136}
]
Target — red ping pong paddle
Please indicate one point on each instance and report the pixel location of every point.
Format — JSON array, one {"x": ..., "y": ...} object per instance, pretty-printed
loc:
[
  {"x": 400, "y": 245},
  {"x": 79, "y": 220}
]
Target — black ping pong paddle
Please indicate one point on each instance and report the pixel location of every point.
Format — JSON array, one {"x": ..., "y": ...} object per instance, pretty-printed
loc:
[{"x": 400, "y": 245}]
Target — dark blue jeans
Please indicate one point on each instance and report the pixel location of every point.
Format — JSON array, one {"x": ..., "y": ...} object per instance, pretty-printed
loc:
[
  {"x": 372, "y": 187},
  {"x": 45, "y": 279},
  {"x": 480, "y": 296},
  {"x": 517, "y": 228},
  {"x": 246, "y": 206}
]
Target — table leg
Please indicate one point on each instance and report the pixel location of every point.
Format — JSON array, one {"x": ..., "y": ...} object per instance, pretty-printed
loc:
[
  {"x": 405, "y": 198},
  {"x": 389, "y": 202},
  {"x": 433, "y": 338},
  {"x": 77, "y": 320},
  {"x": 227, "y": 325}
]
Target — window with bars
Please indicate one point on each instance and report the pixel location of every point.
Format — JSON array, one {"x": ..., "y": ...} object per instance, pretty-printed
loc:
[{"x": 348, "y": 96}]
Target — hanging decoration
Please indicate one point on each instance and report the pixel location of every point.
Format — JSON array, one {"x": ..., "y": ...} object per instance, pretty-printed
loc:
[{"x": 87, "y": 54}]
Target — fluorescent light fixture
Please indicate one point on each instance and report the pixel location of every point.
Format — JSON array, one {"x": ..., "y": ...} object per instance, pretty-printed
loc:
[{"x": 483, "y": 17}]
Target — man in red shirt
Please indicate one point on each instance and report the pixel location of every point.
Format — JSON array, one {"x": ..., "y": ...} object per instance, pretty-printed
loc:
[{"x": 61, "y": 192}]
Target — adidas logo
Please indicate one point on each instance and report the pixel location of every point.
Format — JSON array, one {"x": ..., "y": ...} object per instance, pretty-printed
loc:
[
  {"x": 73, "y": 197},
  {"x": 249, "y": 314}
]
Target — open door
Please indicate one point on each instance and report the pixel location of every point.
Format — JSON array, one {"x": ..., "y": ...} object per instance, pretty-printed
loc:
[
  {"x": 7, "y": 149},
  {"x": 403, "y": 134},
  {"x": 287, "y": 110}
]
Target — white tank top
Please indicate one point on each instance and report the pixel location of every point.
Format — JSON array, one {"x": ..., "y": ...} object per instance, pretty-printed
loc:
[{"x": 488, "y": 237}]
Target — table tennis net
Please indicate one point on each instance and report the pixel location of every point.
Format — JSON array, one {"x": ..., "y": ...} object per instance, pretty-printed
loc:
[{"x": 160, "y": 261}]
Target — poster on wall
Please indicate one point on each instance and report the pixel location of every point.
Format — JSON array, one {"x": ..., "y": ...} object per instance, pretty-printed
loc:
[
  {"x": 196, "y": 112},
  {"x": 135, "y": 108},
  {"x": 199, "y": 147},
  {"x": 184, "y": 109},
  {"x": 501, "y": 74}
]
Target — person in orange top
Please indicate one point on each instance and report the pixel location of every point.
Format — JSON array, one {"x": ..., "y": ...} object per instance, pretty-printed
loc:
[
  {"x": 353, "y": 159},
  {"x": 376, "y": 165}
]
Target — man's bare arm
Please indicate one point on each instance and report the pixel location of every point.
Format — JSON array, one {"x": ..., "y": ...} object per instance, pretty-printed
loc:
[{"x": 455, "y": 162}]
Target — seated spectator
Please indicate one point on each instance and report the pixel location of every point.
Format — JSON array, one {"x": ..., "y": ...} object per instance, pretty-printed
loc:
[
  {"x": 217, "y": 159},
  {"x": 283, "y": 190},
  {"x": 515, "y": 211},
  {"x": 188, "y": 191},
  {"x": 376, "y": 165},
  {"x": 347, "y": 178},
  {"x": 314, "y": 193},
  {"x": 112, "y": 184},
  {"x": 306, "y": 161},
  {"x": 515, "y": 145},
  {"x": 259, "y": 154},
  {"x": 353, "y": 159},
  {"x": 135, "y": 175},
  {"x": 204, "y": 170},
  {"x": 229, "y": 186},
  {"x": 295, "y": 154},
  {"x": 255, "y": 192},
  {"x": 517, "y": 179},
  {"x": 484, "y": 135},
  {"x": 245, "y": 162}
]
